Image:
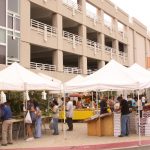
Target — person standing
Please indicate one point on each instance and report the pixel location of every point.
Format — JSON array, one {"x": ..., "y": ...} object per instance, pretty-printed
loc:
[
  {"x": 55, "y": 117},
  {"x": 30, "y": 126},
  {"x": 69, "y": 114},
  {"x": 124, "y": 118},
  {"x": 38, "y": 120},
  {"x": 103, "y": 106},
  {"x": 6, "y": 116}
]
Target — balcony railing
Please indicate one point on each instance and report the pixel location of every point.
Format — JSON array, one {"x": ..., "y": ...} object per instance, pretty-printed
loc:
[
  {"x": 90, "y": 71},
  {"x": 108, "y": 49},
  {"x": 12, "y": 60},
  {"x": 74, "y": 70},
  {"x": 93, "y": 45},
  {"x": 123, "y": 54},
  {"x": 42, "y": 28},
  {"x": 73, "y": 5},
  {"x": 72, "y": 38},
  {"x": 40, "y": 66}
]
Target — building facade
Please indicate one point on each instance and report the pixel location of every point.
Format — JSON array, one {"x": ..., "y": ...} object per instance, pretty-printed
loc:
[{"x": 63, "y": 38}]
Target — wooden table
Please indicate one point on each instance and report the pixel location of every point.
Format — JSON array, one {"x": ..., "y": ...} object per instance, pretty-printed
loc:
[
  {"x": 101, "y": 125},
  {"x": 17, "y": 123}
]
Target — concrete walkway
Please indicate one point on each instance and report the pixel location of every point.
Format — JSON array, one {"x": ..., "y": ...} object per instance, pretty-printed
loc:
[{"x": 77, "y": 139}]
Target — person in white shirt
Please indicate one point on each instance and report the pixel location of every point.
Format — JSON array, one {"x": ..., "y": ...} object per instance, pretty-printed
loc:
[
  {"x": 55, "y": 116},
  {"x": 69, "y": 114}
]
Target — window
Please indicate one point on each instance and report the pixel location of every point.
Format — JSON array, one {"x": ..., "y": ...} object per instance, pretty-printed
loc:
[
  {"x": 13, "y": 21},
  {"x": 13, "y": 47},
  {"x": 2, "y": 36},
  {"x": 3, "y": 13},
  {"x": 120, "y": 27},
  {"x": 107, "y": 20},
  {"x": 91, "y": 11},
  {"x": 2, "y": 54},
  {"x": 13, "y": 5}
]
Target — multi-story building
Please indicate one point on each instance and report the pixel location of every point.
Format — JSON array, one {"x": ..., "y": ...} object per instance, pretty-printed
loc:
[{"x": 67, "y": 37}]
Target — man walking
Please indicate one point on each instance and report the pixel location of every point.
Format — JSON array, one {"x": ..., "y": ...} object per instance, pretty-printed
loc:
[
  {"x": 6, "y": 124},
  {"x": 69, "y": 114}
]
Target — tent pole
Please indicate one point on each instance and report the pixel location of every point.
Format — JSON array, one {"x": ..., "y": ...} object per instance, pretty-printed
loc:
[
  {"x": 97, "y": 100},
  {"x": 139, "y": 125},
  {"x": 92, "y": 100}
]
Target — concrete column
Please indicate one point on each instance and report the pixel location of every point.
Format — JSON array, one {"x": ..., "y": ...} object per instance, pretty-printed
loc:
[
  {"x": 58, "y": 60},
  {"x": 25, "y": 20},
  {"x": 25, "y": 55},
  {"x": 83, "y": 33},
  {"x": 115, "y": 45},
  {"x": 101, "y": 40},
  {"x": 82, "y": 3},
  {"x": 101, "y": 64},
  {"x": 58, "y": 54},
  {"x": 83, "y": 64},
  {"x": 134, "y": 46},
  {"x": 57, "y": 22}
]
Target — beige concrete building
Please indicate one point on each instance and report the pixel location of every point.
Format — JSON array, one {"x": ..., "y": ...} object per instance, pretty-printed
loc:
[{"x": 63, "y": 38}]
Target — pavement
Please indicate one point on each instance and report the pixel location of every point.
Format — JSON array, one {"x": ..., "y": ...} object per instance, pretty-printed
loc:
[{"x": 79, "y": 140}]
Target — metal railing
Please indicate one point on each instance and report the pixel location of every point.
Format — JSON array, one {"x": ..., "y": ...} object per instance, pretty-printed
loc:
[
  {"x": 93, "y": 45},
  {"x": 41, "y": 27},
  {"x": 40, "y": 66},
  {"x": 73, "y": 5},
  {"x": 74, "y": 70},
  {"x": 123, "y": 54},
  {"x": 90, "y": 71},
  {"x": 12, "y": 60},
  {"x": 70, "y": 37},
  {"x": 108, "y": 49}
]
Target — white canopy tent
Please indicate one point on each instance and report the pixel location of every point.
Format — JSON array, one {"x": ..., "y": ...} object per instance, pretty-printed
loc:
[
  {"x": 17, "y": 78},
  {"x": 72, "y": 82},
  {"x": 55, "y": 82},
  {"x": 112, "y": 76},
  {"x": 141, "y": 74}
]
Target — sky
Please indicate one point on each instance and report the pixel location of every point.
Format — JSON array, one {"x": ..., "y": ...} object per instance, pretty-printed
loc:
[{"x": 139, "y": 9}]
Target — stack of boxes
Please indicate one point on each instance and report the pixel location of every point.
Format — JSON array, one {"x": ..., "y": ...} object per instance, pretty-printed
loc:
[
  {"x": 132, "y": 126},
  {"x": 147, "y": 125},
  {"x": 144, "y": 124},
  {"x": 117, "y": 124}
]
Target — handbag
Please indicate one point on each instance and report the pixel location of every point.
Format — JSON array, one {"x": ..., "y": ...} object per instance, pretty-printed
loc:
[
  {"x": 28, "y": 118},
  {"x": 51, "y": 125}
]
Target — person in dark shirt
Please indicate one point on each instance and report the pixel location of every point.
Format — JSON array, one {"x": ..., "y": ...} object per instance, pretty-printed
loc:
[
  {"x": 103, "y": 106},
  {"x": 6, "y": 115},
  {"x": 124, "y": 118}
]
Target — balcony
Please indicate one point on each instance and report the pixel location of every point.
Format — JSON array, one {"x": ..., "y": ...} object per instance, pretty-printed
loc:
[
  {"x": 43, "y": 33},
  {"x": 43, "y": 28},
  {"x": 73, "y": 70},
  {"x": 90, "y": 71},
  {"x": 11, "y": 60},
  {"x": 72, "y": 42},
  {"x": 96, "y": 47},
  {"x": 40, "y": 66}
]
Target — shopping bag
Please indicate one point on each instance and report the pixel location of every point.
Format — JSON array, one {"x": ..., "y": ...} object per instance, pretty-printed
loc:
[
  {"x": 51, "y": 125},
  {"x": 28, "y": 118}
]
